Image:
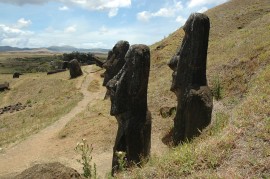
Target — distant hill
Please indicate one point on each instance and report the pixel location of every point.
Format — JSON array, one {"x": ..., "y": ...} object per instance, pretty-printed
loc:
[{"x": 63, "y": 49}]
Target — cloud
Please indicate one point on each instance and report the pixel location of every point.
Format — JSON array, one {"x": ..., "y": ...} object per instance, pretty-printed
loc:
[
  {"x": 203, "y": 9},
  {"x": 113, "y": 12},
  {"x": 63, "y": 8},
  {"x": 70, "y": 29},
  {"x": 103, "y": 30},
  {"x": 181, "y": 20},
  {"x": 22, "y": 23},
  {"x": 144, "y": 16},
  {"x": 111, "y": 6},
  {"x": 169, "y": 11},
  {"x": 23, "y": 2},
  {"x": 195, "y": 3},
  {"x": 14, "y": 36}
]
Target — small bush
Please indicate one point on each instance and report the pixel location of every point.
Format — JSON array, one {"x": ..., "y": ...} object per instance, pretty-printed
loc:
[
  {"x": 85, "y": 151},
  {"x": 217, "y": 89}
]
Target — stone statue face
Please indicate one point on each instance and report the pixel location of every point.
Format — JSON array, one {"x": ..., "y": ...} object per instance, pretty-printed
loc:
[
  {"x": 115, "y": 60},
  {"x": 131, "y": 80}
]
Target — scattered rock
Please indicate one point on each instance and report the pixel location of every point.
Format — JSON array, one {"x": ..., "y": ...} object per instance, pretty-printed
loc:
[
  {"x": 16, "y": 75},
  {"x": 167, "y": 111},
  {"x": 128, "y": 93},
  {"x": 55, "y": 71},
  {"x": 195, "y": 101},
  {"x": 4, "y": 86},
  {"x": 49, "y": 170},
  {"x": 13, "y": 108},
  {"x": 75, "y": 69}
]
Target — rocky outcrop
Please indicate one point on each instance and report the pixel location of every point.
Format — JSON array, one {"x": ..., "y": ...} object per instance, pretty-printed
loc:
[
  {"x": 75, "y": 68},
  {"x": 16, "y": 75},
  {"x": 13, "y": 108},
  {"x": 128, "y": 91},
  {"x": 49, "y": 170},
  {"x": 195, "y": 101},
  {"x": 4, "y": 86}
]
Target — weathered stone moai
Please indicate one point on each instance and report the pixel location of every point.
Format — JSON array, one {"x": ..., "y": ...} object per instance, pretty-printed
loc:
[
  {"x": 195, "y": 101},
  {"x": 115, "y": 61},
  {"x": 128, "y": 93},
  {"x": 75, "y": 68}
]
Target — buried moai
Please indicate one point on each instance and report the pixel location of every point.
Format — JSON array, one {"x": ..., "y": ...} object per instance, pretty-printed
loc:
[
  {"x": 128, "y": 93},
  {"x": 195, "y": 101},
  {"x": 115, "y": 61},
  {"x": 75, "y": 68}
]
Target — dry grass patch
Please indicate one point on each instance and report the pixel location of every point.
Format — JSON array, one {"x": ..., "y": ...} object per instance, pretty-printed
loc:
[{"x": 50, "y": 97}]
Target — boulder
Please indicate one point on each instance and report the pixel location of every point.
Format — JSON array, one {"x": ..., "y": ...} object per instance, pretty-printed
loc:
[
  {"x": 49, "y": 170},
  {"x": 16, "y": 75},
  {"x": 4, "y": 86},
  {"x": 65, "y": 65},
  {"x": 55, "y": 71},
  {"x": 195, "y": 101},
  {"x": 128, "y": 94},
  {"x": 75, "y": 68}
]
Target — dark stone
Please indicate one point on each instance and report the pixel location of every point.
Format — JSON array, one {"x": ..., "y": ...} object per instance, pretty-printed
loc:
[
  {"x": 4, "y": 86},
  {"x": 49, "y": 170},
  {"x": 98, "y": 62},
  {"x": 167, "y": 111},
  {"x": 115, "y": 60},
  {"x": 195, "y": 101},
  {"x": 128, "y": 93},
  {"x": 74, "y": 68},
  {"x": 65, "y": 65},
  {"x": 16, "y": 75},
  {"x": 55, "y": 71}
]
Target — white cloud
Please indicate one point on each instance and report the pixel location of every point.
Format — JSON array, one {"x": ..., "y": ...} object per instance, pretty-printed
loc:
[
  {"x": 70, "y": 29},
  {"x": 195, "y": 3},
  {"x": 22, "y": 23},
  {"x": 111, "y": 6},
  {"x": 168, "y": 11},
  {"x": 13, "y": 36},
  {"x": 203, "y": 9},
  {"x": 181, "y": 20},
  {"x": 113, "y": 12},
  {"x": 144, "y": 16},
  {"x": 63, "y": 8},
  {"x": 103, "y": 30}
]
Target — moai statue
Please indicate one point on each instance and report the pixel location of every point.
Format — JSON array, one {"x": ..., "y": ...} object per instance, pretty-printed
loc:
[
  {"x": 115, "y": 61},
  {"x": 128, "y": 94},
  {"x": 195, "y": 101},
  {"x": 75, "y": 68}
]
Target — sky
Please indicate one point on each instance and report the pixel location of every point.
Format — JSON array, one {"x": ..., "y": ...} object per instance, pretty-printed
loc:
[{"x": 93, "y": 23}]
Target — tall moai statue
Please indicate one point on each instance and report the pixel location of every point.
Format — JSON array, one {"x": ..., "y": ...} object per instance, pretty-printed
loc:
[
  {"x": 115, "y": 61},
  {"x": 128, "y": 94},
  {"x": 195, "y": 100}
]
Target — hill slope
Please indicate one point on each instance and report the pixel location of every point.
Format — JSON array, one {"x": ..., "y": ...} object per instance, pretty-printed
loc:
[{"x": 237, "y": 143}]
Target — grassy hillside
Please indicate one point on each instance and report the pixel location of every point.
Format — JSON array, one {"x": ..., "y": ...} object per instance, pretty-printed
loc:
[
  {"x": 50, "y": 97},
  {"x": 237, "y": 143}
]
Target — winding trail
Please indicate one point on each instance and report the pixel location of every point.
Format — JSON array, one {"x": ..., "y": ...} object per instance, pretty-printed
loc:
[{"x": 41, "y": 147}]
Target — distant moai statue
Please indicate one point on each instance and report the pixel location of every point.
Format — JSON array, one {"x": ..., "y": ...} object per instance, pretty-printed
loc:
[
  {"x": 195, "y": 101},
  {"x": 75, "y": 68},
  {"x": 128, "y": 93},
  {"x": 115, "y": 61}
]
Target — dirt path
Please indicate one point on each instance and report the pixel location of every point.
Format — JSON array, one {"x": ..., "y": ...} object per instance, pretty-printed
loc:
[{"x": 42, "y": 147}]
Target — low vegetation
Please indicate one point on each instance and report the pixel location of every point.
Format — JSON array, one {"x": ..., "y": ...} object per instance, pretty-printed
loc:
[{"x": 50, "y": 97}]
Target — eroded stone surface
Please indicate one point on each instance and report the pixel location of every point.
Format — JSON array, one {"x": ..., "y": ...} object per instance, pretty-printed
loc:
[
  {"x": 128, "y": 91},
  {"x": 195, "y": 101},
  {"x": 75, "y": 68}
]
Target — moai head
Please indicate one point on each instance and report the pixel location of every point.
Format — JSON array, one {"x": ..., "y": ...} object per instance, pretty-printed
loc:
[
  {"x": 189, "y": 63},
  {"x": 129, "y": 86},
  {"x": 115, "y": 60}
]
